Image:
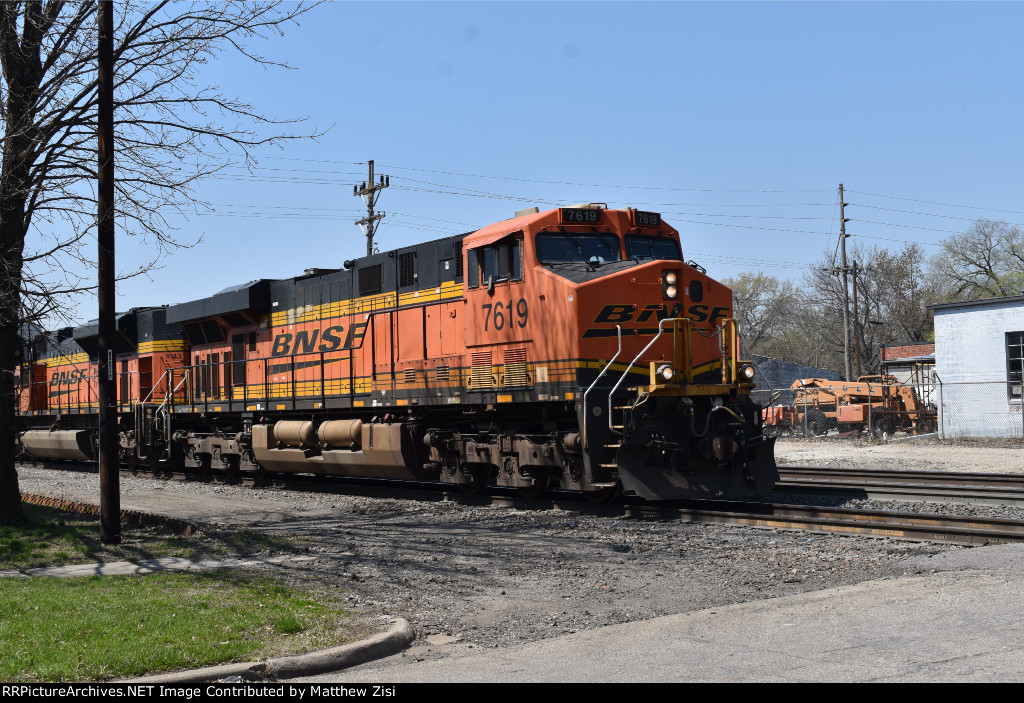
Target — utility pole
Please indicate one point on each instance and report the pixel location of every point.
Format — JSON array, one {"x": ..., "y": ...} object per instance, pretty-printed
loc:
[
  {"x": 110, "y": 489},
  {"x": 846, "y": 287},
  {"x": 369, "y": 192},
  {"x": 856, "y": 319}
]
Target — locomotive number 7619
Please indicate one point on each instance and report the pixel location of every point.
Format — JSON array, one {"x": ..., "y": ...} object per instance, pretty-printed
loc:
[{"x": 503, "y": 314}]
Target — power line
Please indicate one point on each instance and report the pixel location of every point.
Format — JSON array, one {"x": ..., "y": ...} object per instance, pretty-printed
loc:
[{"x": 932, "y": 202}]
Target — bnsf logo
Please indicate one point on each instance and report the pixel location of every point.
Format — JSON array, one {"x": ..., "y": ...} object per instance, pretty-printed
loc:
[
  {"x": 626, "y": 313},
  {"x": 67, "y": 378},
  {"x": 305, "y": 342}
]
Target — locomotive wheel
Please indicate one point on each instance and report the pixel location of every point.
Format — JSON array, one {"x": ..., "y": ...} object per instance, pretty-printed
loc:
[
  {"x": 477, "y": 482},
  {"x": 541, "y": 483},
  {"x": 602, "y": 495},
  {"x": 233, "y": 469},
  {"x": 203, "y": 468}
]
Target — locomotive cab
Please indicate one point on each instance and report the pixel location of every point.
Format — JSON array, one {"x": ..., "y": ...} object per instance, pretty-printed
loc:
[{"x": 600, "y": 305}]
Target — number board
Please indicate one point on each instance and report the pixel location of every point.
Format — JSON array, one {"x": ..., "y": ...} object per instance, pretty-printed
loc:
[
  {"x": 579, "y": 216},
  {"x": 646, "y": 219}
]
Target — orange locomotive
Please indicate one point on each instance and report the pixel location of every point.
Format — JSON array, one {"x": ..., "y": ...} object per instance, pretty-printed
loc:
[{"x": 569, "y": 348}]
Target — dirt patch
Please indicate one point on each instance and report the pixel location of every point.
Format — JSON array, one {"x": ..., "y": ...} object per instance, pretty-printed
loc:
[{"x": 983, "y": 456}]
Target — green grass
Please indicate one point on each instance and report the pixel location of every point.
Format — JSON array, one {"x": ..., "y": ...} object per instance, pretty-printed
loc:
[
  {"x": 76, "y": 629},
  {"x": 101, "y": 627}
]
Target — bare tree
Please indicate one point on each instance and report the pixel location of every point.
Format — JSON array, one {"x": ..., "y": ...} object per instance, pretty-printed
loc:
[
  {"x": 764, "y": 307},
  {"x": 893, "y": 292},
  {"x": 171, "y": 131},
  {"x": 985, "y": 261}
]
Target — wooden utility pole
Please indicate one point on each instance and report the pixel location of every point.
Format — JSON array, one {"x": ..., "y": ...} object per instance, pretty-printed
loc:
[
  {"x": 369, "y": 192},
  {"x": 110, "y": 489},
  {"x": 846, "y": 287},
  {"x": 856, "y": 319}
]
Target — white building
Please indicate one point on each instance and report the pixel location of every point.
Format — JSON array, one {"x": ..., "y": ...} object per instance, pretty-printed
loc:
[{"x": 979, "y": 365}]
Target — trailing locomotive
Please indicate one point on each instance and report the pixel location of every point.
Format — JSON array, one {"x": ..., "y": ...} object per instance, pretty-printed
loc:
[{"x": 571, "y": 348}]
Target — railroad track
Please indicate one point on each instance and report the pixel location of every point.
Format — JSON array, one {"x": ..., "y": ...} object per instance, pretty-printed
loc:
[
  {"x": 923, "y": 527},
  {"x": 883, "y": 484},
  {"x": 931, "y": 527}
]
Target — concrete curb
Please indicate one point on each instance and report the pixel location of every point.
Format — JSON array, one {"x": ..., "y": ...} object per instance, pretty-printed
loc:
[{"x": 384, "y": 644}]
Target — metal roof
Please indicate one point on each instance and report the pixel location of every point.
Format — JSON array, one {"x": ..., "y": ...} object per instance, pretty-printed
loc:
[{"x": 974, "y": 303}]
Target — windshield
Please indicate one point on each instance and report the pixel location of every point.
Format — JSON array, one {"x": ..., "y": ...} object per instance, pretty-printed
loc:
[
  {"x": 653, "y": 248},
  {"x": 564, "y": 247}
]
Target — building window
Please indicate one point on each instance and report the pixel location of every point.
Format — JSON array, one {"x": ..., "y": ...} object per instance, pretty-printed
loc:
[{"x": 1014, "y": 365}]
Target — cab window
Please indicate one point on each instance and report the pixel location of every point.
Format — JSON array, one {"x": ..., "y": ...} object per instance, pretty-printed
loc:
[
  {"x": 652, "y": 248},
  {"x": 564, "y": 247},
  {"x": 501, "y": 261}
]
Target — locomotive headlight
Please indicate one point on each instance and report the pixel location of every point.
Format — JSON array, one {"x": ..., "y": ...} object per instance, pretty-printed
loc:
[
  {"x": 665, "y": 372},
  {"x": 669, "y": 279},
  {"x": 747, "y": 372}
]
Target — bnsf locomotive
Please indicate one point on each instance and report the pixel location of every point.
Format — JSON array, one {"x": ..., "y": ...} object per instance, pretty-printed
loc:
[{"x": 571, "y": 348}]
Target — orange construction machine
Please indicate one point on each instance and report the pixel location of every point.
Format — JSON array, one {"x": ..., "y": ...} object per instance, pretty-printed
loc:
[{"x": 880, "y": 405}]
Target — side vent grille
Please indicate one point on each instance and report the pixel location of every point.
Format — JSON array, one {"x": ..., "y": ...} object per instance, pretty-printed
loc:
[
  {"x": 515, "y": 368},
  {"x": 443, "y": 373},
  {"x": 410, "y": 375},
  {"x": 482, "y": 370}
]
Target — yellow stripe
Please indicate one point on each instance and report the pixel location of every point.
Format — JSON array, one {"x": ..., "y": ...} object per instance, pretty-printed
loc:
[
  {"x": 371, "y": 303},
  {"x": 163, "y": 345},
  {"x": 81, "y": 358}
]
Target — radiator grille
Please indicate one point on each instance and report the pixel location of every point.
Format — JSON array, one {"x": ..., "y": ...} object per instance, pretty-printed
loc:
[
  {"x": 482, "y": 370},
  {"x": 515, "y": 367}
]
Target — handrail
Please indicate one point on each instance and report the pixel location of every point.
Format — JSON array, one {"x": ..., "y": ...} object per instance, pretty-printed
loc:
[
  {"x": 591, "y": 387},
  {"x": 642, "y": 352},
  {"x": 152, "y": 390}
]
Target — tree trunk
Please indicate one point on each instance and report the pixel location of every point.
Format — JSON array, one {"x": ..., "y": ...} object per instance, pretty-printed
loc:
[
  {"x": 10, "y": 282},
  {"x": 12, "y": 248}
]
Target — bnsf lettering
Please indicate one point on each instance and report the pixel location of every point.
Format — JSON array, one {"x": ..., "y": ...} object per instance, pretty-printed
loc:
[
  {"x": 304, "y": 343},
  {"x": 615, "y": 313},
  {"x": 355, "y": 335},
  {"x": 305, "y": 340},
  {"x": 282, "y": 344},
  {"x": 658, "y": 310},
  {"x": 700, "y": 313},
  {"x": 67, "y": 378},
  {"x": 628, "y": 313}
]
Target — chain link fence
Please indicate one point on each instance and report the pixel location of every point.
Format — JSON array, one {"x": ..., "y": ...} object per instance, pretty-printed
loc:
[
  {"x": 981, "y": 409},
  {"x": 882, "y": 407}
]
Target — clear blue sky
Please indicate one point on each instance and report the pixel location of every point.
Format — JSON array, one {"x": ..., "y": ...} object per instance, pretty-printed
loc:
[{"x": 737, "y": 121}]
